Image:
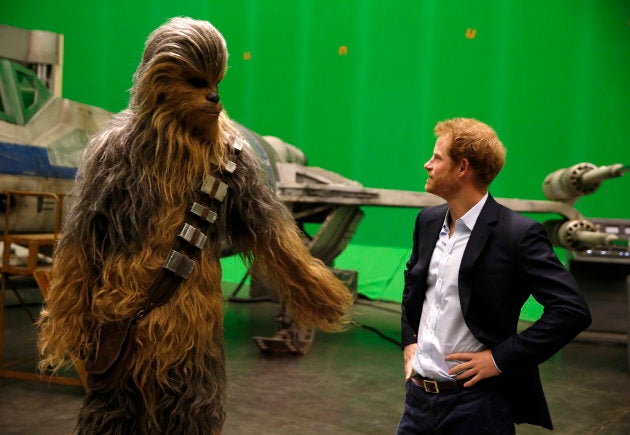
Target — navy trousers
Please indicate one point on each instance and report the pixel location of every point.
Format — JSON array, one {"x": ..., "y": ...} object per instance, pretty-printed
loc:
[{"x": 476, "y": 410}]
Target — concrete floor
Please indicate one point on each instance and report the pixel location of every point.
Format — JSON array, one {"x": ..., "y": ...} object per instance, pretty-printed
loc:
[{"x": 350, "y": 382}]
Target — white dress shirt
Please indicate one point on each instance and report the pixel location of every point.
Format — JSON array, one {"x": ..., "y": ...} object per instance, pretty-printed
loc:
[{"x": 442, "y": 328}]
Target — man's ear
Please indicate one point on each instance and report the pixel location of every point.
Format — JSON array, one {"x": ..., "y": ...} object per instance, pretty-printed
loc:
[{"x": 464, "y": 165}]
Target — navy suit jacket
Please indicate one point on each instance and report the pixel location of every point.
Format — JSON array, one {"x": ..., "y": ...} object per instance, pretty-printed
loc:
[{"x": 507, "y": 259}]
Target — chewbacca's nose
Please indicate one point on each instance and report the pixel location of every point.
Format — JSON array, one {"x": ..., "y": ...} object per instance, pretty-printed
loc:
[{"x": 213, "y": 97}]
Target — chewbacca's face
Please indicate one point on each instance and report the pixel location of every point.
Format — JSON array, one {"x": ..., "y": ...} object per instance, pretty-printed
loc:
[
  {"x": 193, "y": 98},
  {"x": 178, "y": 79}
]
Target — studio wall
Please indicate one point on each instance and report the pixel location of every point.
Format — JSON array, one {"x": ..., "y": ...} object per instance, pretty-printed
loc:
[{"x": 359, "y": 84}]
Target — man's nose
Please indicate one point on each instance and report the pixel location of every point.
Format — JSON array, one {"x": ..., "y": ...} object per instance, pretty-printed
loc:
[{"x": 213, "y": 97}]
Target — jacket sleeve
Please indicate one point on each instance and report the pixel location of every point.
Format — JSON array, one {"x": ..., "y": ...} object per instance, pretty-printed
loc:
[
  {"x": 552, "y": 285},
  {"x": 409, "y": 333}
]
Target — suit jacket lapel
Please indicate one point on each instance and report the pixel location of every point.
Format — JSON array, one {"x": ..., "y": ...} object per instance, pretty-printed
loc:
[
  {"x": 476, "y": 243},
  {"x": 429, "y": 236}
]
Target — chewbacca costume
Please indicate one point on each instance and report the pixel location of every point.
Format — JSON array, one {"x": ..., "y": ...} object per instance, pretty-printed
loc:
[{"x": 139, "y": 183}]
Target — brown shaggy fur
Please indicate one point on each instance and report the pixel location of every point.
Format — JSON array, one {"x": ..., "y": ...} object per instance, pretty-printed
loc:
[{"x": 133, "y": 190}]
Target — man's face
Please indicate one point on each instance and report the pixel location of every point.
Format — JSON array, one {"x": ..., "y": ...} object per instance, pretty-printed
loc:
[{"x": 441, "y": 170}]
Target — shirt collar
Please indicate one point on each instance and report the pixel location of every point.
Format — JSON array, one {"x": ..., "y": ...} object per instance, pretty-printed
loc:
[{"x": 471, "y": 216}]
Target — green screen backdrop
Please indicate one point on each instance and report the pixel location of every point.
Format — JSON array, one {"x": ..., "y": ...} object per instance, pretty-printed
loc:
[{"x": 359, "y": 84}]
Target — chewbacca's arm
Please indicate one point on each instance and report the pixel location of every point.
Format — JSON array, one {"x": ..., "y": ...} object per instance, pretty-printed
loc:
[
  {"x": 64, "y": 325},
  {"x": 262, "y": 228}
]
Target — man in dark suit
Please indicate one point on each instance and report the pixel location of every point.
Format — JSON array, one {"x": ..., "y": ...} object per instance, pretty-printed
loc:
[{"x": 474, "y": 264}]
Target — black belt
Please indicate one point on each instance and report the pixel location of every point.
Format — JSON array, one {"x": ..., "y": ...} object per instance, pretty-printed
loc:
[{"x": 435, "y": 387}]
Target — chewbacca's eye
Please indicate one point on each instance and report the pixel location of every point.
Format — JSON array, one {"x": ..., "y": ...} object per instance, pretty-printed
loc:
[{"x": 198, "y": 83}]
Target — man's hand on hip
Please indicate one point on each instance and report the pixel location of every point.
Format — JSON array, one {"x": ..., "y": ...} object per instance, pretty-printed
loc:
[
  {"x": 409, "y": 352},
  {"x": 474, "y": 365}
]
